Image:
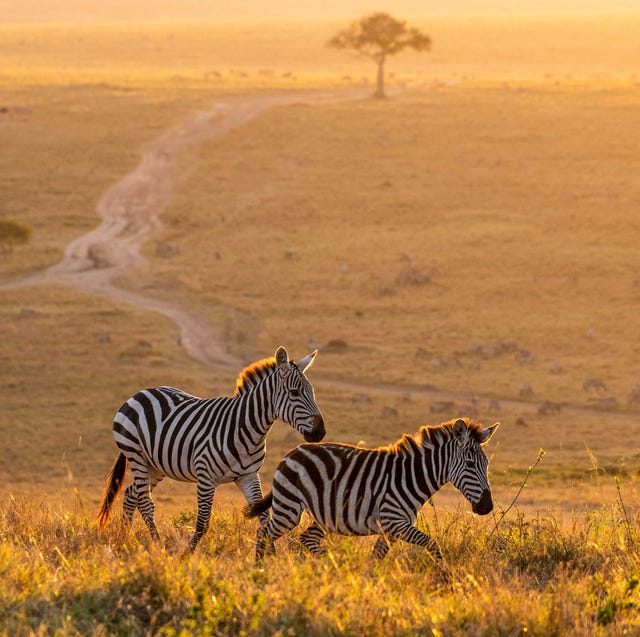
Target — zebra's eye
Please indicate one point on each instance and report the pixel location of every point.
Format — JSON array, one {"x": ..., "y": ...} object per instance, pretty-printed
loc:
[
  {"x": 470, "y": 463},
  {"x": 294, "y": 392}
]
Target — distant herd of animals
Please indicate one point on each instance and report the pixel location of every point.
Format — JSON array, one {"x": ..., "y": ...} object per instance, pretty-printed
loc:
[{"x": 346, "y": 489}]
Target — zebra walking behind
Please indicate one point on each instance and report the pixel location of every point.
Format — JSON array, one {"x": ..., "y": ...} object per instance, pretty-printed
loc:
[
  {"x": 356, "y": 491},
  {"x": 166, "y": 432}
]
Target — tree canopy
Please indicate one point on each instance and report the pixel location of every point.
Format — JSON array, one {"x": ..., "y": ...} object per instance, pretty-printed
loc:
[{"x": 378, "y": 36}]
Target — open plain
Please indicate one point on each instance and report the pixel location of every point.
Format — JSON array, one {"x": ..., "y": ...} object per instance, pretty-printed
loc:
[{"x": 468, "y": 246}]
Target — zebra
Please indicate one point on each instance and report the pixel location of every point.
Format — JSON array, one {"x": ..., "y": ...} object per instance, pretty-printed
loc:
[
  {"x": 358, "y": 491},
  {"x": 165, "y": 432}
]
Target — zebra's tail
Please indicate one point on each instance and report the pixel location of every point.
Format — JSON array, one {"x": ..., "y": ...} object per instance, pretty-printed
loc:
[
  {"x": 115, "y": 480},
  {"x": 254, "y": 509}
]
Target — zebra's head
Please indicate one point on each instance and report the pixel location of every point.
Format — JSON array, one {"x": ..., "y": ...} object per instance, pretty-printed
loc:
[
  {"x": 294, "y": 400},
  {"x": 468, "y": 464}
]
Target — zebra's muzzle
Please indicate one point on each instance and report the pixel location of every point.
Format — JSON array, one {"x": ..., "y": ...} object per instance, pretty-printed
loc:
[
  {"x": 484, "y": 505},
  {"x": 317, "y": 432}
]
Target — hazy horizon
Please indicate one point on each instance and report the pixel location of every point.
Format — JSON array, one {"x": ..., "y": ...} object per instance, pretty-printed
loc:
[{"x": 161, "y": 10}]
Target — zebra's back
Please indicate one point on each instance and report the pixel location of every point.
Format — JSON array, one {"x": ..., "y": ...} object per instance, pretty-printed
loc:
[
  {"x": 169, "y": 429},
  {"x": 342, "y": 486}
]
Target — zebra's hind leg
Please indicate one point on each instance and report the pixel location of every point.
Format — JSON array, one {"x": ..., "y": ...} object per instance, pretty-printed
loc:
[
  {"x": 312, "y": 539},
  {"x": 129, "y": 505},
  {"x": 143, "y": 484},
  {"x": 282, "y": 520},
  {"x": 382, "y": 546},
  {"x": 265, "y": 544},
  {"x": 205, "y": 501}
]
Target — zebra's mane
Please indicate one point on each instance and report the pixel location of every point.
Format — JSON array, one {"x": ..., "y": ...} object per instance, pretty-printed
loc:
[
  {"x": 252, "y": 374},
  {"x": 475, "y": 428},
  {"x": 434, "y": 434}
]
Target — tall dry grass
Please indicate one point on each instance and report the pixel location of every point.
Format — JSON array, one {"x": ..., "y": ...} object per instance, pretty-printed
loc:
[{"x": 519, "y": 575}]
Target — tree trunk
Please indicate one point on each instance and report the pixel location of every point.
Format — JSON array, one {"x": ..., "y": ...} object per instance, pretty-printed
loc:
[{"x": 380, "y": 81}]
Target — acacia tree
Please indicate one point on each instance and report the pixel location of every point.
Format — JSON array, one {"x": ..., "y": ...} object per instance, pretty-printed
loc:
[{"x": 378, "y": 36}]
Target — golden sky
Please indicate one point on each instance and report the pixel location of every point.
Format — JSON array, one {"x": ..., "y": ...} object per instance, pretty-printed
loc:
[{"x": 100, "y": 10}]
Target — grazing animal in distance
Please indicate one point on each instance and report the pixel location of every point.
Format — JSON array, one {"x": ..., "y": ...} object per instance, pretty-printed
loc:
[
  {"x": 358, "y": 491},
  {"x": 166, "y": 432}
]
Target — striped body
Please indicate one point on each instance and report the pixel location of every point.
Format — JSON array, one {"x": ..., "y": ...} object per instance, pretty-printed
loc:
[
  {"x": 183, "y": 437},
  {"x": 356, "y": 491},
  {"x": 165, "y": 432}
]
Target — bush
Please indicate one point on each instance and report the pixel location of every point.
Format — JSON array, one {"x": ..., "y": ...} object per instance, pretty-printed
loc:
[{"x": 12, "y": 233}]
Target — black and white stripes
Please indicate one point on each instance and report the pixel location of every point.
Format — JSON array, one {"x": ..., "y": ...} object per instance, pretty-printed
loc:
[
  {"x": 357, "y": 491},
  {"x": 166, "y": 432}
]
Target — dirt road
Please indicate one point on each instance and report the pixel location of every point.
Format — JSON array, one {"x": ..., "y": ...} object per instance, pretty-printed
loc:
[{"x": 130, "y": 212}]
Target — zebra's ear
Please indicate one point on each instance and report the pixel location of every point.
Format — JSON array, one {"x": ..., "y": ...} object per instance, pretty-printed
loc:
[
  {"x": 460, "y": 430},
  {"x": 307, "y": 361},
  {"x": 485, "y": 434},
  {"x": 282, "y": 358}
]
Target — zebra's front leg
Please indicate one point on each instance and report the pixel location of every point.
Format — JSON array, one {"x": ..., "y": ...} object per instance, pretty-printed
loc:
[
  {"x": 409, "y": 533},
  {"x": 251, "y": 487},
  {"x": 205, "y": 500}
]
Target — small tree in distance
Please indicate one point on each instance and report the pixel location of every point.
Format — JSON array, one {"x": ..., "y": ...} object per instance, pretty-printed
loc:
[
  {"x": 12, "y": 233},
  {"x": 378, "y": 36}
]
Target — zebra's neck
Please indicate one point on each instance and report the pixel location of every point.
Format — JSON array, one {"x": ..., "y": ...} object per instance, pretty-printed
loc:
[
  {"x": 255, "y": 405},
  {"x": 423, "y": 464}
]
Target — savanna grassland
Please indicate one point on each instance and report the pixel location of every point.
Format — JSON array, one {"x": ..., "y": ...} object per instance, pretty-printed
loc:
[{"x": 468, "y": 246}]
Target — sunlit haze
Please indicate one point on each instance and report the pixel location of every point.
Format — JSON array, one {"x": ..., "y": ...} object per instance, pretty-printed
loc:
[
  {"x": 446, "y": 210},
  {"x": 97, "y": 10}
]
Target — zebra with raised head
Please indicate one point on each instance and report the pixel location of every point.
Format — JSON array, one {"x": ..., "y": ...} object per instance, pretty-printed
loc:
[
  {"x": 357, "y": 491},
  {"x": 166, "y": 432}
]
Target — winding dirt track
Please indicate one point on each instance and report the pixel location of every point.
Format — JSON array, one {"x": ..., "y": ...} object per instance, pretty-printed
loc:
[{"x": 130, "y": 212}]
